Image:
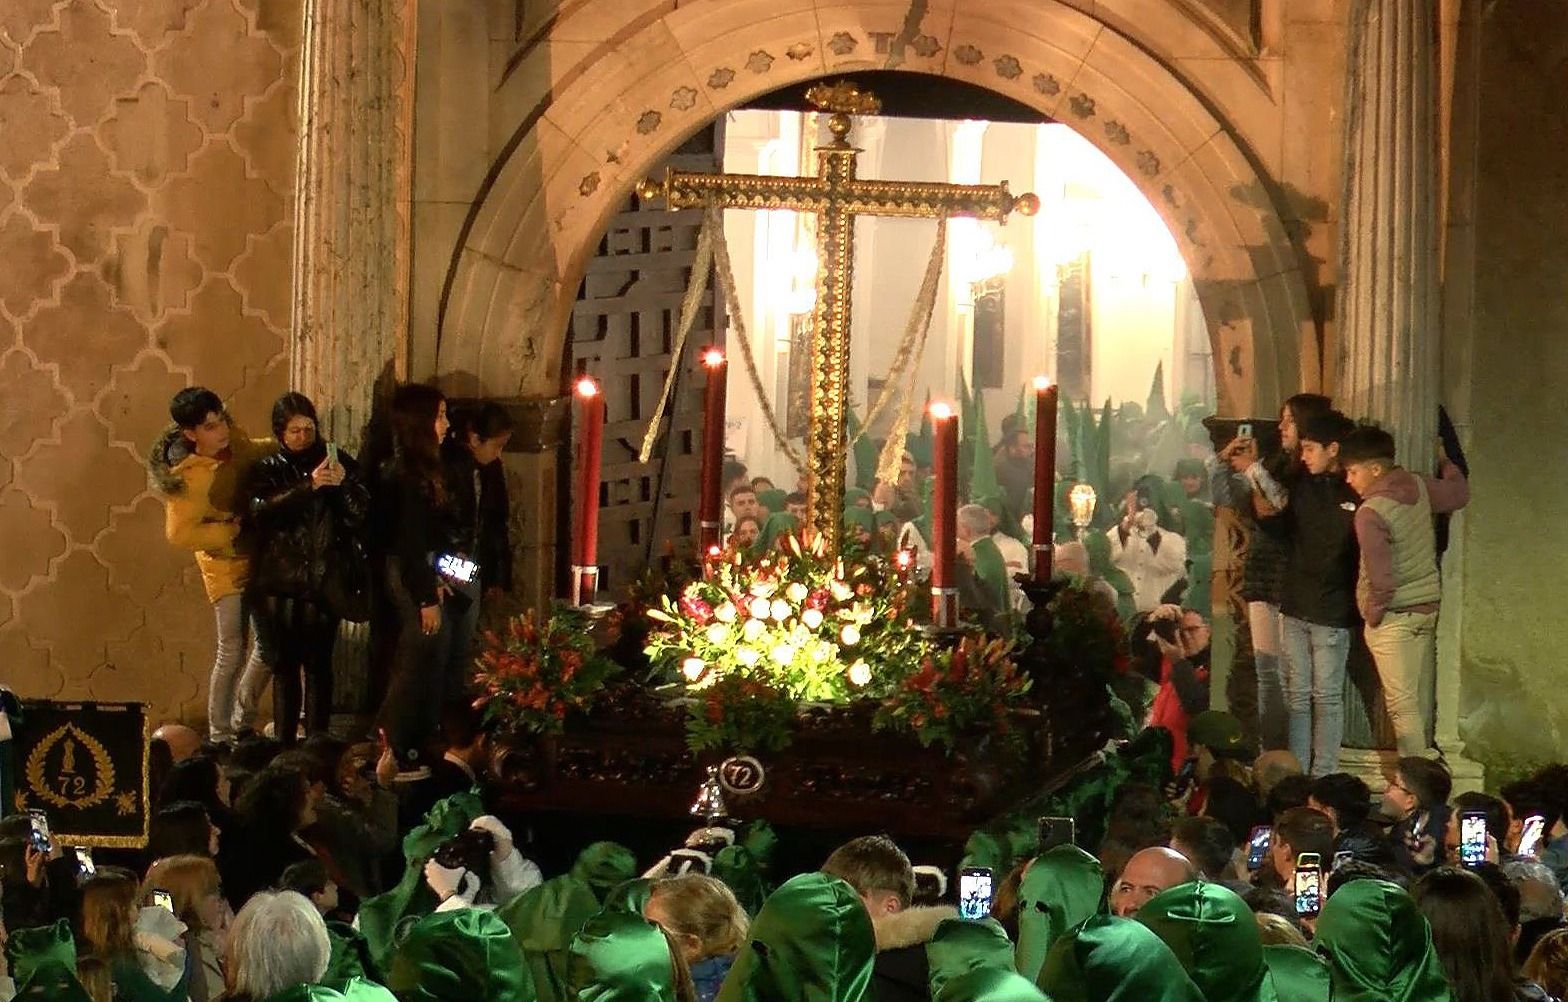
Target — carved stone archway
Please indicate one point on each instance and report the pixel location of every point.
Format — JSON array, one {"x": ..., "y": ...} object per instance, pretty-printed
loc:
[{"x": 624, "y": 103}]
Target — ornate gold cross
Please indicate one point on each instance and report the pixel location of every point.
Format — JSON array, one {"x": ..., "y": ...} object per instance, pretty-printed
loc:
[{"x": 835, "y": 196}]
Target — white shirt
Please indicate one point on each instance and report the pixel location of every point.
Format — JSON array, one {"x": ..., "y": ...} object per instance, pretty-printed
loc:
[{"x": 1151, "y": 571}]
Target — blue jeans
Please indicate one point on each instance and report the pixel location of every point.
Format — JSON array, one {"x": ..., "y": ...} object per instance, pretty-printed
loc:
[
  {"x": 1314, "y": 665},
  {"x": 1264, "y": 621}
]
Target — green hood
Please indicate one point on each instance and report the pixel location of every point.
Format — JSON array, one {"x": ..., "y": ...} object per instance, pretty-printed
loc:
[
  {"x": 464, "y": 955},
  {"x": 42, "y": 962},
  {"x": 1111, "y": 959},
  {"x": 1299, "y": 975},
  {"x": 620, "y": 957},
  {"x": 856, "y": 517},
  {"x": 973, "y": 962},
  {"x": 350, "y": 957},
  {"x": 812, "y": 942},
  {"x": 1214, "y": 935},
  {"x": 775, "y": 527},
  {"x": 543, "y": 921},
  {"x": 1061, "y": 888},
  {"x": 605, "y": 866},
  {"x": 355, "y": 990},
  {"x": 631, "y": 896},
  {"x": 772, "y": 499},
  {"x": 1379, "y": 946}
]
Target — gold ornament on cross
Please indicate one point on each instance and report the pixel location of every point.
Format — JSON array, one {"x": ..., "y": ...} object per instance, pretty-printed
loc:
[{"x": 836, "y": 195}]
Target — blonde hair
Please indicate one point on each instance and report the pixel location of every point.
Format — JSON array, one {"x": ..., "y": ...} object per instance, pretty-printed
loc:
[
  {"x": 1548, "y": 963},
  {"x": 1276, "y": 930},
  {"x": 108, "y": 916},
  {"x": 96, "y": 979},
  {"x": 188, "y": 879},
  {"x": 705, "y": 909}
]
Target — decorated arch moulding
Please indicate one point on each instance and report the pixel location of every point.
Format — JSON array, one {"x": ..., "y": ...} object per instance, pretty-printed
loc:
[{"x": 610, "y": 119}]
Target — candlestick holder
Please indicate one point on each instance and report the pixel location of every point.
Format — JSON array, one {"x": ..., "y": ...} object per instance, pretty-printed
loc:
[
  {"x": 583, "y": 592},
  {"x": 944, "y": 608},
  {"x": 947, "y": 637}
]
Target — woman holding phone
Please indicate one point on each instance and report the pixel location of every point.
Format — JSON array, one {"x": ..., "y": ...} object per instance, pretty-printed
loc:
[{"x": 306, "y": 506}]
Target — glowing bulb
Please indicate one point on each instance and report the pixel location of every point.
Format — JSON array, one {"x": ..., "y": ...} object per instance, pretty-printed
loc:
[
  {"x": 694, "y": 669},
  {"x": 783, "y": 654},
  {"x": 780, "y": 610},
  {"x": 760, "y": 607},
  {"x": 587, "y": 388},
  {"x": 941, "y": 411},
  {"x": 849, "y": 636},
  {"x": 812, "y": 618},
  {"x": 859, "y": 674}
]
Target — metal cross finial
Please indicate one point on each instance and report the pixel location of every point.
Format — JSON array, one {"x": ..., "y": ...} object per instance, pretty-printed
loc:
[{"x": 842, "y": 99}]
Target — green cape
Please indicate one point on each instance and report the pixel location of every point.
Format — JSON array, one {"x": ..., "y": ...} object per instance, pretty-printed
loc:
[
  {"x": 463, "y": 955},
  {"x": 773, "y": 499},
  {"x": 383, "y": 917},
  {"x": 620, "y": 957},
  {"x": 991, "y": 569},
  {"x": 604, "y": 866},
  {"x": 631, "y": 896},
  {"x": 1379, "y": 946},
  {"x": 350, "y": 957},
  {"x": 544, "y": 919},
  {"x": 973, "y": 962},
  {"x": 42, "y": 962},
  {"x": 1299, "y": 975},
  {"x": 356, "y": 990},
  {"x": 812, "y": 942},
  {"x": 1111, "y": 959},
  {"x": 1061, "y": 888},
  {"x": 1215, "y": 936}
]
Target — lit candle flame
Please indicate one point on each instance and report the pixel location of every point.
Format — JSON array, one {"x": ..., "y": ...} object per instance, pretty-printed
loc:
[
  {"x": 586, "y": 387},
  {"x": 941, "y": 411},
  {"x": 713, "y": 358},
  {"x": 1042, "y": 382}
]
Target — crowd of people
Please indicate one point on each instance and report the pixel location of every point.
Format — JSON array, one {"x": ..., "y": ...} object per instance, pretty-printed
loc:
[{"x": 312, "y": 872}]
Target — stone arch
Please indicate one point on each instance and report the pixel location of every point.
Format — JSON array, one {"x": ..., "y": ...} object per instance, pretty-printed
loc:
[{"x": 625, "y": 103}]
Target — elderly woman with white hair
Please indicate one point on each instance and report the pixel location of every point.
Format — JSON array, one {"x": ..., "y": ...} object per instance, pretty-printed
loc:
[{"x": 278, "y": 950}]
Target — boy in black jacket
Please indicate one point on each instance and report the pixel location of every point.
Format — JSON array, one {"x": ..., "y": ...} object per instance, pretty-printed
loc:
[{"x": 1319, "y": 599}]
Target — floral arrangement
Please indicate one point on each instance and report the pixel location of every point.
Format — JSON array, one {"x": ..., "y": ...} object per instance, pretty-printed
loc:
[
  {"x": 972, "y": 688},
  {"x": 532, "y": 674},
  {"x": 815, "y": 628},
  {"x": 740, "y": 714}
]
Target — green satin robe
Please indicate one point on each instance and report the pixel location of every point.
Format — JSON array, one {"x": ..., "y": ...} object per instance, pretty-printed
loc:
[
  {"x": 545, "y": 919},
  {"x": 355, "y": 990},
  {"x": 42, "y": 962},
  {"x": 1299, "y": 974},
  {"x": 1061, "y": 888},
  {"x": 1110, "y": 959},
  {"x": 463, "y": 955},
  {"x": 973, "y": 962},
  {"x": 812, "y": 942},
  {"x": 620, "y": 957},
  {"x": 1215, "y": 936},
  {"x": 1379, "y": 946}
]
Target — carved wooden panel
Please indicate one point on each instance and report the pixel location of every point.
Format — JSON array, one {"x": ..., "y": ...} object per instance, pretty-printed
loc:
[{"x": 623, "y": 334}]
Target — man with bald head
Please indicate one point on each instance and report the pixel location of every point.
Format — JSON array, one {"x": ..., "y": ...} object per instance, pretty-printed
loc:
[
  {"x": 1146, "y": 874},
  {"x": 183, "y": 742}
]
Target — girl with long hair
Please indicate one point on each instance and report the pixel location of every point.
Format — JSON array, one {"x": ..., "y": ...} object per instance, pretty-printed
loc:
[
  {"x": 705, "y": 924},
  {"x": 413, "y": 517},
  {"x": 1469, "y": 934},
  {"x": 192, "y": 885},
  {"x": 144, "y": 956}
]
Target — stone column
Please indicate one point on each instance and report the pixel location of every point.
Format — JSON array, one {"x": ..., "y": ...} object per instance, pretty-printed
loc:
[
  {"x": 1389, "y": 341},
  {"x": 352, "y": 206}
]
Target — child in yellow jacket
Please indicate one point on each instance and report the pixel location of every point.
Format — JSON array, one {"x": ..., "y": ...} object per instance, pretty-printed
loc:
[{"x": 200, "y": 464}]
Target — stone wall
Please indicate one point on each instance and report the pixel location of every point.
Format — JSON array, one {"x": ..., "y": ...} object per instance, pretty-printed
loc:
[{"x": 147, "y": 154}]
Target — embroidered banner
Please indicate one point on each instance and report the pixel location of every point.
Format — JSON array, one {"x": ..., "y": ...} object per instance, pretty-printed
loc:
[{"x": 85, "y": 765}]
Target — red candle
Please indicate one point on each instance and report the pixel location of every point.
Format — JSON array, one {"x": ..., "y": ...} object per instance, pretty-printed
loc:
[
  {"x": 944, "y": 516},
  {"x": 585, "y": 538},
  {"x": 1045, "y": 394},
  {"x": 710, "y": 501}
]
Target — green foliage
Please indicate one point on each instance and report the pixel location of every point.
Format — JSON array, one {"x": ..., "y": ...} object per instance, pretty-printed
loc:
[
  {"x": 532, "y": 674},
  {"x": 965, "y": 691}
]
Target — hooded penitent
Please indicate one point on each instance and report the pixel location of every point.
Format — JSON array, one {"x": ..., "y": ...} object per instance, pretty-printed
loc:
[
  {"x": 350, "y": 957},
  {"x": 1299, "y": 974},
  {"x": 1214, "y": 935},
  {"x": 973, "y": 962},
  {"x": 1110, "y": 959},
  {"x": 1379, "y": 946},
  {"x": 545, "y": 918},
  {"x": 42, "y": 962},
  {"x": 812, "y": 942},
  {"x": 631, "y": 896},
  {"x": 1061, "y": 888},
  {"x": 620, "y": 957},
  {"x": 464, "y": 955}
]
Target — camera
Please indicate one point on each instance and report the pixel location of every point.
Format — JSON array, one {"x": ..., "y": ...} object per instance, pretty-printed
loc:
[
  {"x": 1165, "y": 629},
  {"x": 469, "y": 850}
]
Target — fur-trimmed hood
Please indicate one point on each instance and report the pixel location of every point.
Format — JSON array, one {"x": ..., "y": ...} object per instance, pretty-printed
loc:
[
  {"x": 911, "y": 927},
  {"x": 167, "y": 451}
]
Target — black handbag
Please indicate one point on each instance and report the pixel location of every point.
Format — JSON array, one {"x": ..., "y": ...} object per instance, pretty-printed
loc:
[{"x": 347, "y": 586}]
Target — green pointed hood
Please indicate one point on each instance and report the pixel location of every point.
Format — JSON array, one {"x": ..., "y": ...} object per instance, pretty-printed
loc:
[
  {"x": 984, "y": 489},
  {"x": 42, "y": 963},
  {"x": 1214, "y": 935},
  {"x": 812, "y": 942},
  {"x": 463, "y": 955},
  {"x": 631, "y": 896},
  {"x": 1061, "y": 888},
  {"x": 863, "y": 449},
  {"x": 604, "y": 866},
  {"x": 1110, "y": 959},
  {"x": 973, "y": 962},
  {"x": 1299, "y": 974},
  {"x": 620, "y": 957},
  {"x": 1379, "y": 946}
]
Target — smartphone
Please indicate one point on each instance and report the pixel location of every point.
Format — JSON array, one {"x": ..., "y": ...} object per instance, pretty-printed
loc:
[
  {"x": 1308, "y": 887},
  {"x": 457, "y": 568},
  {"x": 1258, "y": 846},
  {"x": 332, "y": 453},
  {"x": 1057, "y": 831},
  {"x": 1244, "y": 430},
  {"x": 974, "y": 893},
  {"x": 84, "y": 861},
  {"x": 1530, "y": 835},
  {"x": 40, "y": 833},
  {"x": 1472, "y": 838},
  {"x": 1185, "y": 775},
  {"x": 164, "y": 900}
]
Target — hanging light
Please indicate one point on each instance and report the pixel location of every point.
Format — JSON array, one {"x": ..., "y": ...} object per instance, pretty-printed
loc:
[{"x": 1081, "y": 499}]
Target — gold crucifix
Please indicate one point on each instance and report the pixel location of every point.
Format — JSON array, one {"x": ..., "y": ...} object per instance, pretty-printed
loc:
[{"x": 835, "y": 196}]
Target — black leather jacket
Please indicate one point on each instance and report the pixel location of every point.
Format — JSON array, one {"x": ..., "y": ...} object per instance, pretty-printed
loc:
[{"x": 296, "y": 528}]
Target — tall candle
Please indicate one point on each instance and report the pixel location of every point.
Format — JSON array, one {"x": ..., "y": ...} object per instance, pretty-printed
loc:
[
  {"x": 585, "y": 535},
  {"x": 1045, "y": 395},
  {"x": 710, "y": 501},
  {"x": 944, "y": 516}
]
